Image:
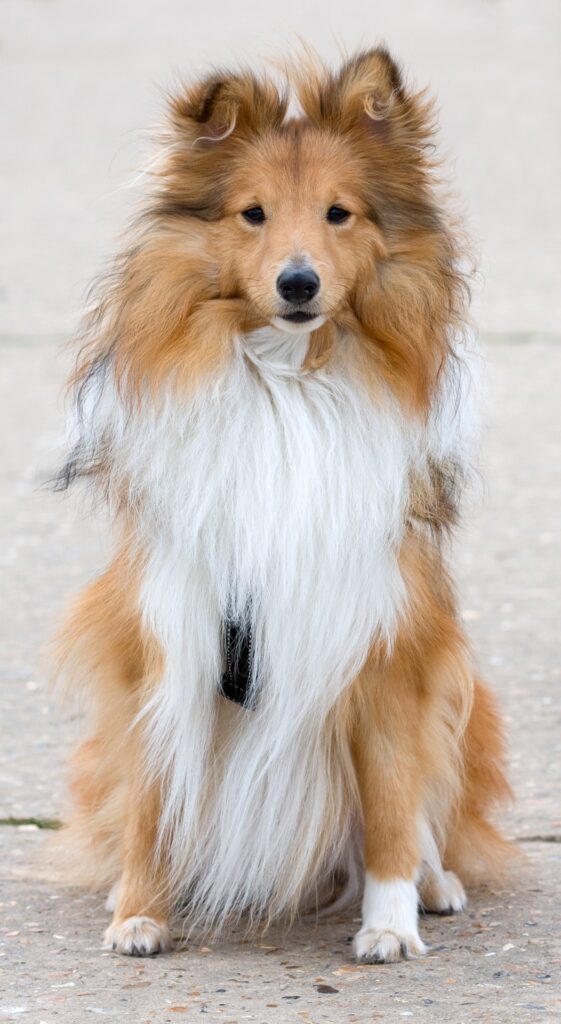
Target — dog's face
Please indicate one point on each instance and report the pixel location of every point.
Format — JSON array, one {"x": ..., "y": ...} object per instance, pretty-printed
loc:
[
  {"x": 265, "y": 218},
  {"x": 297, "y": 233},
  {"x": 299, "y": 211}
]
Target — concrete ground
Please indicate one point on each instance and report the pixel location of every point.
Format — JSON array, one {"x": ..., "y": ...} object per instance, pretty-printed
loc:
[{"x": 81, "y": 81}]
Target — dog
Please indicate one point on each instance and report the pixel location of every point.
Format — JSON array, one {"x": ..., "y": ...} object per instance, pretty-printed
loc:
[{"x": 276, "y": 396}]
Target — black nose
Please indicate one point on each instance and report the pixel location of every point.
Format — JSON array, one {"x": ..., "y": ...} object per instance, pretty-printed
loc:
[{"x": 298, "y": 285}]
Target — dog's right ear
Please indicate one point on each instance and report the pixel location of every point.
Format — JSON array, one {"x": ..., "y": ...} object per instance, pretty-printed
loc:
[
  {"x": 207, "y": 121},
  {"x": 227, "y": 104}
]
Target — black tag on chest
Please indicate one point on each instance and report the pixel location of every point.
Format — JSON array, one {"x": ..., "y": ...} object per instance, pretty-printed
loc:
[{"x": 238, "y": 651}]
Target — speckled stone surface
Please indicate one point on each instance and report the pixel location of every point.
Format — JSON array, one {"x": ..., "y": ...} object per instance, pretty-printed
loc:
[
  {"x": 498, "y": 961},
  {"x": 48, "y": 547}
]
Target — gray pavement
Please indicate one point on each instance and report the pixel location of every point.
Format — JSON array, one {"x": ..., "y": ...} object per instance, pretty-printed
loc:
[
  {"x": 82, "y": 82},
  {"x": 498, "y": 961}
]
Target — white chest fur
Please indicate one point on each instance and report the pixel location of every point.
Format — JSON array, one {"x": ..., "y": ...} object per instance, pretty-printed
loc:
[{"x": 278, "y": 494}]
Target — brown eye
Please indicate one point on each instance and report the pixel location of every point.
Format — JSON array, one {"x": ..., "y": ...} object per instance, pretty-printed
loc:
[
  {"x": 255, "y": 215},
  {"x": 337, "y": 215}
]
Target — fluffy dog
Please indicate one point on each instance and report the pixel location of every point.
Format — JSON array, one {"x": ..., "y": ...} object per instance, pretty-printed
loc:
[{"x": 276, "y": 399}]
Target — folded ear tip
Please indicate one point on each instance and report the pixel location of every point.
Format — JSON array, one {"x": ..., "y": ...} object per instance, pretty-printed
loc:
[{"x": 374, "y": 74}]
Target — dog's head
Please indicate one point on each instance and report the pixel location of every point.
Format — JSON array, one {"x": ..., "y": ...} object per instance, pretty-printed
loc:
[
  {"x": 328, "y": 216},
  {"x": 301, "y": 210}
]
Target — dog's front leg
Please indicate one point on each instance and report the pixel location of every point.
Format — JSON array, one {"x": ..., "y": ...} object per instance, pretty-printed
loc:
[
  {"x": 388, "y": 775},
  {"x": 140, "y": 920}
]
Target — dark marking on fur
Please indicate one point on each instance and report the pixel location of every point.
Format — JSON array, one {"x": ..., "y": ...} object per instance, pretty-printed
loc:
[
  {"x": 83, "y": 461},
  {"x": 237, "y": 679},
  {"x": 435, "y": 497},
  {"x": 209, "y": 100},
  {"x": 171, "y": 207}
]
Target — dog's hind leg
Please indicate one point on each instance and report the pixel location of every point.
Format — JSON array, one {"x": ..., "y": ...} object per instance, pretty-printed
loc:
[
  {"x": 440, "y": 891},
  {"x": 112, "y": 826}
]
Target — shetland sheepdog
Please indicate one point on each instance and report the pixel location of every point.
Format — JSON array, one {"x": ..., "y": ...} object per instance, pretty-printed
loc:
[{"x": 275, "y": 395}]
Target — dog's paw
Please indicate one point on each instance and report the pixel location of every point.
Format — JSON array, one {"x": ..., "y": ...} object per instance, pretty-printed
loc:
[
  {"x": 442, "y": 894},
  {"x": 375, "y": 946},
  {"x": 389, "y": 922},
  {"x": 138, "y": 936}
]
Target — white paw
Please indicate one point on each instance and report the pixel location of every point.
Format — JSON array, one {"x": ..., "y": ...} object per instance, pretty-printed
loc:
[
  {"x": 442, "y": 893},
  {"x": 374, "y": 946},
  {"x": 389, "y": 921},
  {"x": 138, "y": 936}
]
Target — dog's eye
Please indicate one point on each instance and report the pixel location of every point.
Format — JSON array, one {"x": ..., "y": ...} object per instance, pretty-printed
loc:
[
  {"x": 255, "y": 215},
  {"x": 337, "y": 215}
]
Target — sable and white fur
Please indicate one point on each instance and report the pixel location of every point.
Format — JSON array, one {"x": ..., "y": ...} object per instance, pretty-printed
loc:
[
  {"x": 277, "y": 495},
  {"x": 285, "y": 494}
]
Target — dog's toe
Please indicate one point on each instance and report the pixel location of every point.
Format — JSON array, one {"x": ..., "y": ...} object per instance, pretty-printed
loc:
[
  {"x": 376, "y": 946},
  {"x": 444, "y": 894},
  {"x": 138, "y": 936}
]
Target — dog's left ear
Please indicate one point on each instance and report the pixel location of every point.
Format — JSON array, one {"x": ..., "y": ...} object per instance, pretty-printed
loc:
[
  {"x": 368, "y": 93},
  {"x": 366, "y": 86}
]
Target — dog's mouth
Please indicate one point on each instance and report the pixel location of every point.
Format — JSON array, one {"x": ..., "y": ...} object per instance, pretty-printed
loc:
[
  {"x": 299, "y": 317},
  {"x": 298, "y": 320}
]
